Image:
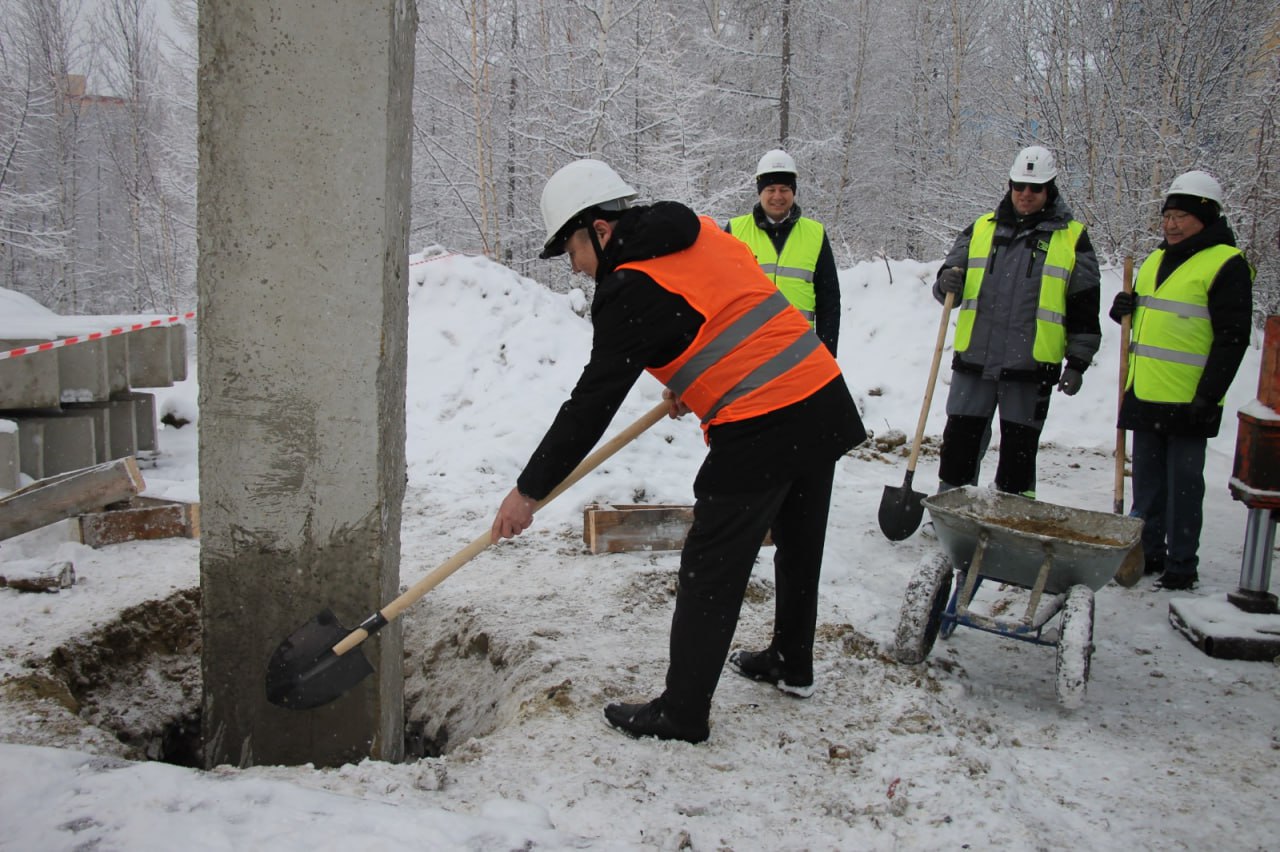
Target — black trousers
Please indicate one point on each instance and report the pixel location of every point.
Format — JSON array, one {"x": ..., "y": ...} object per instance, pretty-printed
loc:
[
  {"x": 964, "y": 442},
  {"x": 1168, "y": 494},
  {"x": 715, "y": 566}
]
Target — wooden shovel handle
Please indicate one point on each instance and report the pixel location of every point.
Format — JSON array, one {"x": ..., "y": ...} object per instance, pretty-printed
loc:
[
  {"x": 933, "y": 378},
  {"x": 482, "y": 541},
  {"x": 1117, "y": 504}
]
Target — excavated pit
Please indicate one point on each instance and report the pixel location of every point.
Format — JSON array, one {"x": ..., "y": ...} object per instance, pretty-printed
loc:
[
  {"x": 133, "y": 686},
  {"x": 464, "y": 680}
]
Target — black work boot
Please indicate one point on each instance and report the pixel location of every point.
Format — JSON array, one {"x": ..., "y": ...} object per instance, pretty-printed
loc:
[
  {"x": 1178, "y": 581},
  {"x": 768, "y": 666},
  {"x": 651, "y": 720}
]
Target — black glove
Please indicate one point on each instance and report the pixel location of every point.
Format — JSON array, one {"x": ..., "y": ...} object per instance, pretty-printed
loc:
[
  {"x": 1201, "y": 411},
  {"x": 1123, "y": 305},
  {"x": 951, "y": 280},
  {"x": 1071, "y": 381}
]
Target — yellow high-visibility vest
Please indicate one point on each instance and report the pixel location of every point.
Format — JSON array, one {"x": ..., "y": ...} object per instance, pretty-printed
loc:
[
  {"x": 1172, "y": 332},
  {"x": 792, "y": 271},
  {"x": 1050, "y": 345}
]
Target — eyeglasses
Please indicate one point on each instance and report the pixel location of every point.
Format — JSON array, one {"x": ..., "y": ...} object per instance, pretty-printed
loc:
[
  {"x": 1037, "y": 188},
  {"x": 1174, "y": 215}
]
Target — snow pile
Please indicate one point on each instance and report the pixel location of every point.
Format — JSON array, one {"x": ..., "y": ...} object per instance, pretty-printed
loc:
[{"x": 510, "y": 661}]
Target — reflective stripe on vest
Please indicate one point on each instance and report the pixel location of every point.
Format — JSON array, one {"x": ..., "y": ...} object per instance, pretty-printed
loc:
[
  {"x": 1050, "y": 345},
  {"x": 1172, "y": 333},
  {"x": 754, "y": 353},
  {"x": 792, "y": 271}
]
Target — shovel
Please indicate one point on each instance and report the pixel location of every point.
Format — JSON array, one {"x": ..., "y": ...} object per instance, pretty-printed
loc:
[
  {"x": 901, "y": 508},
  {"x": 321, "y": 660},
  {"x": 1134, "y": 565}
]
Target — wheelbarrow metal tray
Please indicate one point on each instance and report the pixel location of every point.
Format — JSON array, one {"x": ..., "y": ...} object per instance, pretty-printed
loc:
[{"x": 1086, "y": 548}]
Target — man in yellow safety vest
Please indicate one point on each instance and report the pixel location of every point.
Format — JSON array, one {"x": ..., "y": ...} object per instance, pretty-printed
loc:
[
  {"x": 793, "y": 250},
  {"x": 1025, "y": 278},
  {"x": 1192, "y": 310}
]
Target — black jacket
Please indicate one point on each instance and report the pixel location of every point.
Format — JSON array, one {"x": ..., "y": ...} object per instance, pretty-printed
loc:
[
  {"x": 1230, "y": 314},
  {"x": 826, "y": 279},
  {"x": 638, "y": 324}
]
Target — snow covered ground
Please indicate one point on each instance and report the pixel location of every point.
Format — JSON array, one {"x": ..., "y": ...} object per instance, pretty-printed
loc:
[{"x": 511, "y": 660}]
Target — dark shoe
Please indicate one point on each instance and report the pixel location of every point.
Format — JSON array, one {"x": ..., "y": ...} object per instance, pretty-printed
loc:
[
  {"x": 1177, "y": 582},
  {"x": 767, "y": 666},
  {"x": 651, "y": 720},
  {"x": 1153, "y": 565}
]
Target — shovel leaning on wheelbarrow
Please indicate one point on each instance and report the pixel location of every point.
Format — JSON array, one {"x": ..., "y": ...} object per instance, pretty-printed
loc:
[
  {"x": 901, "y": 508},
  {"x": 321, "y": 660}
]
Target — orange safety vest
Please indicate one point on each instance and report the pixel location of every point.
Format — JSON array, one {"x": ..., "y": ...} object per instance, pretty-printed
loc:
[{"x": 755, "y": 353}]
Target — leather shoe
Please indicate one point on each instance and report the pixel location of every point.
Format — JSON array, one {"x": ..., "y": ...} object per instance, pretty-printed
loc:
[
  {"x": 767, "y": 666},
  {"x": 651, "y": 720}
]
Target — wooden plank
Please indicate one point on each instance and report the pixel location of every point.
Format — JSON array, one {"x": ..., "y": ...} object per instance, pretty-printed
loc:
[
  {"x": 68, "y": 495},
  {"x": 33, "y": 575},
  {"x": 615, "y": 528},
  {"x": 140, "y": 519},
  {"x": 620, "y": 528}
]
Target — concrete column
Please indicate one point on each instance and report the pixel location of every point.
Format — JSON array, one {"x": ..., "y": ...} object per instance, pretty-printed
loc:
[{"x": 303, "y": 215}]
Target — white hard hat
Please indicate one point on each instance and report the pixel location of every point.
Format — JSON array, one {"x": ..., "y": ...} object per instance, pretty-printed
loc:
[
  {"x": 776, "y": 160},
  {"x": 1034, "y": 165},
  {"x": 1198, "y": 184},
  {"x": 578, "y": 186}
]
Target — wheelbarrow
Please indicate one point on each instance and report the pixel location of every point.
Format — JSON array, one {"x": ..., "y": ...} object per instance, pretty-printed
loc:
[{"x": 1061, "y": 555}]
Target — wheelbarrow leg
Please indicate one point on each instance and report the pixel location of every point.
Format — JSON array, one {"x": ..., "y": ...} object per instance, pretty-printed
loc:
[
  {"x": 971, "y": 576},
  {"x": 1037, "y": 590}
]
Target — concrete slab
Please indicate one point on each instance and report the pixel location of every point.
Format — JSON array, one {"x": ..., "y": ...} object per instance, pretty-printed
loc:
[
  {"x": 82, "y": 372},
  {"x": 1220, "y": 629},
  {"x": 178, "y": 352},
  {"x": 151, "y": 358},
  {"x": 9, "y": 467},
  {"x": 144, "y": 419},
  {"x": 123, "y": 416},
  {"x": 118, "y": 363},
  {"x": 30, "y": 381},
  {"x": 100, "y": 414},
  {"x": 49, "y": 445}
]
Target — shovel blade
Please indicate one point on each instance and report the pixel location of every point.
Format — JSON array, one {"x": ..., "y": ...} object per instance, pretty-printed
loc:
[
  {"x": 900, "y": 512},
  {"x": 305, "y": 673},
  {"x": 1133, "y": 567}
]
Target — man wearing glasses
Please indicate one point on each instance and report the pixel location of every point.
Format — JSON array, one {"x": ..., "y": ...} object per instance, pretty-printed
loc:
[
  {"x": 1025, "y": 278},
  {"x": 1192, "y": 310}
]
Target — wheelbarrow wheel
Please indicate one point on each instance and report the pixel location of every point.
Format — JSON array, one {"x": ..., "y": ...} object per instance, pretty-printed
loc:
[
  {"x": 1075, "y": 647},
  {"x": 921, "y": 612}
]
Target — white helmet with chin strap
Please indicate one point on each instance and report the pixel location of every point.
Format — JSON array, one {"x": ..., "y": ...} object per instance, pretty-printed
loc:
[
  {"x": 774, "y": 161},
  {"x": 579, "y": 186},
  {"x": 1197, "y": 184},
  {"x": 1034, "y": 165}
]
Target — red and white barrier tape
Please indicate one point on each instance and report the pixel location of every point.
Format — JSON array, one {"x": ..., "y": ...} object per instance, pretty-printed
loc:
[
  {"x": 96, "y": 335},
  {"x": 431, "y": 258}
]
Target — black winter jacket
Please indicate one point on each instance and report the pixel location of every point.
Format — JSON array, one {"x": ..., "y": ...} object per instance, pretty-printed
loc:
[
  {"x": 638, "y": 324},
  {"x": 826, "y": 279},
  {"x": 1230, "y": 314}
]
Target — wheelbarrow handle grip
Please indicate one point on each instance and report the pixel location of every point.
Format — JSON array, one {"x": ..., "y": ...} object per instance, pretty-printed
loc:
[{"x": 482, "y": 541}]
